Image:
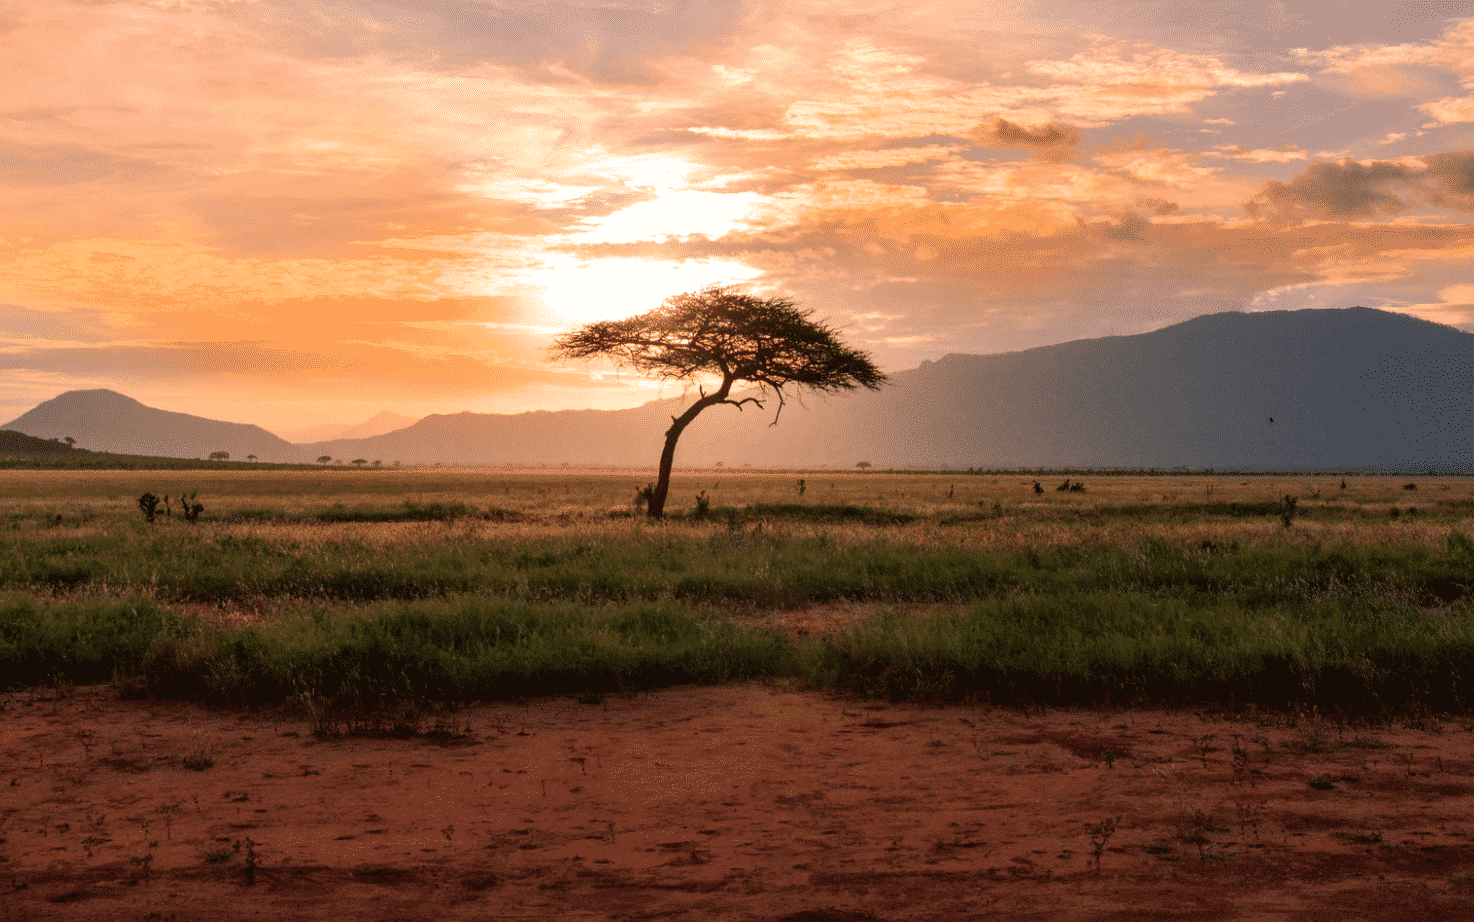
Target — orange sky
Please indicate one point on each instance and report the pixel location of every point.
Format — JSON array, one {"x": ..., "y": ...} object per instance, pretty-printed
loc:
[{"x": 296, "y": 213}]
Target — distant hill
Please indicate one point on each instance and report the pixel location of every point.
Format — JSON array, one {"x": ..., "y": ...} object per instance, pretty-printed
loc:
[
  {"x": 1316, "y": 389},
  {"x": 380, "y": 423},
  {"x": 106, "y": 421}
]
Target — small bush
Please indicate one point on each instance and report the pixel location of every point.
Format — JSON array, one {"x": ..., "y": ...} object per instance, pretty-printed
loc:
[
  {"x": 1287, "y": 509},
  {"x": 644, "y": 495},
  {"x": 189, "y": 508}
]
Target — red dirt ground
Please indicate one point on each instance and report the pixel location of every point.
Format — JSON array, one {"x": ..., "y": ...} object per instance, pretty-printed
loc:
[{"x": 743, "y": 802}]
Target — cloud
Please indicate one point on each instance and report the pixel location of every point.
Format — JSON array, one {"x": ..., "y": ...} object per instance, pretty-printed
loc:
[
  {"x": 1361, "y": 190},
  {"x": 1104, "y": 85},
  {"x": 1158, "y": 166},
  {"x": 864, "y": 90},
  {"x": 1047, "y": 142},
  {"x": 1333, "y": 190},
  {"x": 882, "y": 159},
  {"x": 1393, "y": 69},
  {"x": 1454, "y": 172},
  {"x": 1454, "y": 307},
  {"x": 1239, "y": 152},
  {"x": 1450, "y": 110}
]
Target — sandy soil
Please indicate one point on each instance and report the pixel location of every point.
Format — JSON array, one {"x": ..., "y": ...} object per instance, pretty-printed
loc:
[{"x": 745, "y": 802}]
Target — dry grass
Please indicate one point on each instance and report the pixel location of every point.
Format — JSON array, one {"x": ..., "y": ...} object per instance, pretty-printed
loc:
[{"x": 1000, "y": 512}]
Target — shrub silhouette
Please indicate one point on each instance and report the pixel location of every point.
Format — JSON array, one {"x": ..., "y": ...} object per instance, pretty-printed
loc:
[
  {"x": 1287, "y": 509},
  {"x": 189, "y": 508},
  {"x": 645, "y": 494},
  {"x": 149, "y": 503}
]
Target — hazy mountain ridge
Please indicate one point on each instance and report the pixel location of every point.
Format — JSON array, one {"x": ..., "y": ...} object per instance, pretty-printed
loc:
[
  {"x": 380, "y": 423},
  {"x": 1353, "y": 388},
  {"x": 104, "y": 420}
]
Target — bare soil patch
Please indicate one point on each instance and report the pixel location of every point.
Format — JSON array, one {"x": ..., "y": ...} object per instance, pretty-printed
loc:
[{"x": 745, "y": 802}]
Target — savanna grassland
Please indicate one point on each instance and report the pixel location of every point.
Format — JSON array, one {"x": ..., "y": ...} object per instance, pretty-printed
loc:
[
  {"x": 369, "y": 587},
  {"x": 457, "y": 694}
]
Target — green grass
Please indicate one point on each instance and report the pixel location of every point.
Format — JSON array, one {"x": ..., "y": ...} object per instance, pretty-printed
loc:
[
  {"x": 369, "y": 656},
  {"x": 1063, "y": 649},
  {"x": 425, "y": 588},
  {"x": 1362, "y": 656},
  {"x": 749, "y": 566}
]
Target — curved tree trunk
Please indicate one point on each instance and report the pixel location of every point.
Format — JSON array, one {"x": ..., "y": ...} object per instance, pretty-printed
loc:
[{"x": 678, "y": 425}]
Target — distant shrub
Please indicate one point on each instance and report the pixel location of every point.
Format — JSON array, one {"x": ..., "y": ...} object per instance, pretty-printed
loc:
[
  {"x": 1287, "y": 509},
  {"x": 189, "y": 508},
  {"x": 644, "y": 495}
]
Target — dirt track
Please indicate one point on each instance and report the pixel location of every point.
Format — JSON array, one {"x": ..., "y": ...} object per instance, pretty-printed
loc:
[{"x": 743, "y": 802}]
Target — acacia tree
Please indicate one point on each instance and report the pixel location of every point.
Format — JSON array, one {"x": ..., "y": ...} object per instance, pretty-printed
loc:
[{"x": 722, "y": 333}]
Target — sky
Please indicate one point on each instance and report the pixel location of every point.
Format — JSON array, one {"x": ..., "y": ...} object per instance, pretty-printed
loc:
[{"x": 299, "y": 213}]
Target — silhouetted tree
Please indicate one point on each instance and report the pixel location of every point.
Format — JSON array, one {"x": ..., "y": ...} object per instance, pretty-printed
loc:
[
  {"x": 722, "y": 333},
  {"x": 324, "y": 459},
  {"x": 219, "y": 456}
]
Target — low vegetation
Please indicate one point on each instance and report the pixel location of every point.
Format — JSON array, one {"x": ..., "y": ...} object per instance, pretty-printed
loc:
[{"x": 432, "y": 589}]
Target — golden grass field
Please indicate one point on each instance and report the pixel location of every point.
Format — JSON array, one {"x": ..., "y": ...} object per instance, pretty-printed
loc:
[{"x": 985, "y": 511}]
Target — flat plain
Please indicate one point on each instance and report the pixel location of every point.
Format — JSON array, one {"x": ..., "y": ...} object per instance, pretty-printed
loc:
[{"x": 860, "y": 696}]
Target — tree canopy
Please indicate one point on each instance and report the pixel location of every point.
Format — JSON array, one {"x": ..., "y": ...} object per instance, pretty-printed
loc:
[{"x": 726, "y": 334}]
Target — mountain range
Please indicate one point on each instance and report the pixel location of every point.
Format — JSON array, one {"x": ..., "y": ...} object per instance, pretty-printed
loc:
[
  {"x": 1313, "y": 389},
  {"x": 379, "y": 424}
]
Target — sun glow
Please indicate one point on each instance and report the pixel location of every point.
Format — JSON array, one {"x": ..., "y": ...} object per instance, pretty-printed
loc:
[
  {"x": 584, "y": 290},
  {"x": 673, "y": 214}
]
